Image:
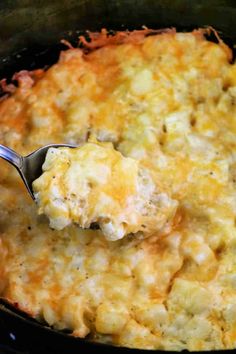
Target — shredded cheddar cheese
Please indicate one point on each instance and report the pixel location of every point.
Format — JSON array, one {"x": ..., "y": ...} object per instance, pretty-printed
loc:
[{"x": 167, "y": 101}]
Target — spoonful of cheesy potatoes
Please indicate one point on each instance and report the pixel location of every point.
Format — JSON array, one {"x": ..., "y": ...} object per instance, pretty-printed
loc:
[{"x": 95, "y": 184}]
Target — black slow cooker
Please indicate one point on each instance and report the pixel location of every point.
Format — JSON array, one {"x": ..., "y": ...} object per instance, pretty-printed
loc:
[{"x": 30, "y": 34}]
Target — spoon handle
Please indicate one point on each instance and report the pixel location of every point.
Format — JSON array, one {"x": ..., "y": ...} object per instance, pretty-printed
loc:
[{"x": 11, "y": 156}]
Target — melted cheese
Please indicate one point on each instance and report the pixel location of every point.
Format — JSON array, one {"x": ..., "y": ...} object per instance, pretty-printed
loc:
[
  {"x": 96, "y": 184},
  {"x": 168, "y": 102}
]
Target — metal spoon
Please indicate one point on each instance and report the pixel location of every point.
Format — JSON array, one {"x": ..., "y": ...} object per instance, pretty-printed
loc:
[{"x": 30, "y": 166}]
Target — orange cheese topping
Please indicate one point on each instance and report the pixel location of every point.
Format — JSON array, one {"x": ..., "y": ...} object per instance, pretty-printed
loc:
[{"x": 168, "y": 102}]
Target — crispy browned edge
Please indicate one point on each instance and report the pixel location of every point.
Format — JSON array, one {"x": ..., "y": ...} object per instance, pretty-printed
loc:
[{"x": 94, "y": 40}]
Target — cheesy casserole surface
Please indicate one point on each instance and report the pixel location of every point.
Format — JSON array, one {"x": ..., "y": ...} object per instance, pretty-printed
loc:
[{"x": 168, "y": 101}]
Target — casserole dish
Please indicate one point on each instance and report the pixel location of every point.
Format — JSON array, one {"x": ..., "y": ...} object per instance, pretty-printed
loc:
[{"x": 38, "y": 50}]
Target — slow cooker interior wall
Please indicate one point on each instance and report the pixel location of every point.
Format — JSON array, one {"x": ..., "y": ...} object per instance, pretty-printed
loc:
[{"x": 30, "y": 30}]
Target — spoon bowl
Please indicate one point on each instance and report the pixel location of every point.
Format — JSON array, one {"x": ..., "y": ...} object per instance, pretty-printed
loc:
[{"x": 30, "y": 166}]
